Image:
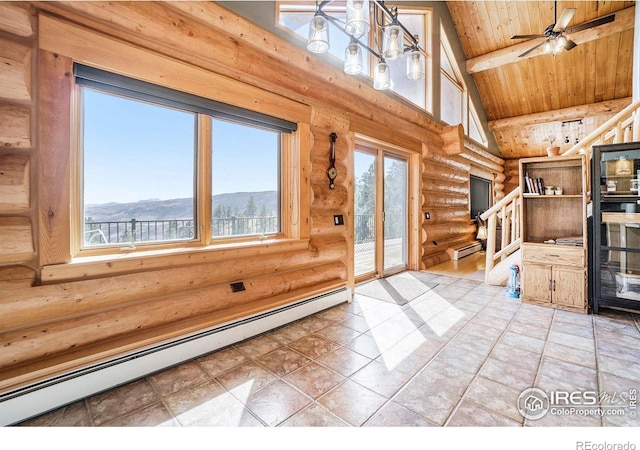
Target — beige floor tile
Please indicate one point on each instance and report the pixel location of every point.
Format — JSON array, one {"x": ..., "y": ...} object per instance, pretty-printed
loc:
[
  {"x": 508, "y": 374},
  {"x": 495, "y": 397},
  {"x": 314, "y": 380},
  {"x": 380, "y": 378},
  {"x": 172, "y": 380},
  {"x": 571, "y": 340},
  {"x": 313, "y": 346},
  {"x": 314, "y": 323},
  {"x": 246, "y": 380},
  {"x": 258, "y": 346},
  {"x": 197, "y": 403},
  {"x": 122, "y": 400},
  {"x": 283, "y": 361},
  {"x": 468, "y": 414},
  {"x": 289, "y": 333},
  {"x": 344, "y": 361},
  {"x": 352, "y": 402},
  {"x": 619, "y": 367},
  {"x": 572, "y": 355},
  {"x": 234, "y": 415},
  {"x": 432, "y": 403},
  {"x": 523, "y": 342},
  {"x": 516, "y": 356},
  {"x": 446, "y": 377},
  {"x": 73, "y": 415},
  {"x": 339, "y": 334},
  {"x": 155, "y": 415},
  {"x": 276, "y": 403},
  {"x": 581, "y": 377},
  {"x": 314, "y": 415},
  {"x": 527, "y": 329},
  {"x": 394, "y": 415},
  {"x": 612, "y": 348},
  {"x": 221, "y": 361}
]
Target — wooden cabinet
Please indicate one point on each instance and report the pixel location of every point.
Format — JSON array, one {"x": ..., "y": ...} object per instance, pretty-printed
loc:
[{"x": 554, "y": 233}]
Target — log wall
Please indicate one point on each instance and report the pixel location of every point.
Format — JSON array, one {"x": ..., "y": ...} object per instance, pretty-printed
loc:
[{"x": 56, "y": 313}]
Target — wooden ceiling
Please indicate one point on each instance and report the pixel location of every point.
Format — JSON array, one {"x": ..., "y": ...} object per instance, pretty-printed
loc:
[{"x": 528, "y": 98}]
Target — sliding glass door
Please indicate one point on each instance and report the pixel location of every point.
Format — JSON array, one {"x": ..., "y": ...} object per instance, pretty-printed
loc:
[{"x": 380, "y": 213}]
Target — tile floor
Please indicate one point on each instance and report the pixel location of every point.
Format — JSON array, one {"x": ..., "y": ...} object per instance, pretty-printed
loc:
[{"x": 459, "y": 355}]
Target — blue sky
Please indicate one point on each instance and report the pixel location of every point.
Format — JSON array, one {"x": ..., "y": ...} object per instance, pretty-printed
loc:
[{"x": 135, "y": 151}]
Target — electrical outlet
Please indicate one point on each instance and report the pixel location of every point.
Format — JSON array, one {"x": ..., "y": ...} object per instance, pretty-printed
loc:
[
  {"x": 338, "y": 219},
  {"x": 237, "y": 287},
  {"x": 427, "y": 216}
]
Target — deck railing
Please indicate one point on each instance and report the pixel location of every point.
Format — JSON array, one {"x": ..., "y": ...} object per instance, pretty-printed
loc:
[
  {"x": 623, "y": 127},
  {"x": 131, "y": 231}
]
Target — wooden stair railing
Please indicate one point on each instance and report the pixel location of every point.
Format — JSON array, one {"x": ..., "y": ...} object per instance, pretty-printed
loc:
[
  {"x": 623, "y": 127},
  {"x": 507, "y": 212}
]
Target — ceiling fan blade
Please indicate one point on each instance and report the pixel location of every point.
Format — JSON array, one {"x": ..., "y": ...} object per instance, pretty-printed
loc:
[
  {"x": 564, "y": 19},
  {"x": 532, "y": 49},
  {"x": 569, "y": 44},
  {"x": 593, "y": 23},
  {"x": 528, "y": 36}
]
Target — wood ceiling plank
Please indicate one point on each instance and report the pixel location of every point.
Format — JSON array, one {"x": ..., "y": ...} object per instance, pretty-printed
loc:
[{"x": 624, "y": 21}]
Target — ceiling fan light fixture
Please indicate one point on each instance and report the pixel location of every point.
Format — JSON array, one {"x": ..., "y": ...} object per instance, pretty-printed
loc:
[{"x": 559, "y": 44}]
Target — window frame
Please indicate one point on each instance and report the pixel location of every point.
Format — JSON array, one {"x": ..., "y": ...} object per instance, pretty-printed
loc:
[
  {"x": 202, "y": 195},
  {"x": 468, "y": 110},
  {"x": 307, "y": 7}
]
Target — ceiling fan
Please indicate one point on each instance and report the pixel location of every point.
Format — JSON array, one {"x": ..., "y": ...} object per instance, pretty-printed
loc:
[{"x": 556, "y": 33}]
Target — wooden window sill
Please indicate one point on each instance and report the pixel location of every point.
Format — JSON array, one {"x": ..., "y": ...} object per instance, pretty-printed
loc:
[{"x": 89, "y": 267}]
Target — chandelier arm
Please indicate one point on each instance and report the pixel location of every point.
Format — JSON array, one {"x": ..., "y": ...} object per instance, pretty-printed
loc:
[
  {"x": 339, "y": 22},
  {"x": 394, "y": 17}
]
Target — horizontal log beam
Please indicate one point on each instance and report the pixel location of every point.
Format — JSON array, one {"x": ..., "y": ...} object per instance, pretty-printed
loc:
[
  {"x": 624, "y": 21},
  {"x": 571, "y": 113}
]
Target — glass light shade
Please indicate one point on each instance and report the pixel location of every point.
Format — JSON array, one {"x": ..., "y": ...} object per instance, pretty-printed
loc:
[
  {"x": 547, "y": 47},
  {"x": 393, "y": 42},
  {"x": 482, "y": 232},
  {"x": 357, "y": 18},
  {"x": 381, "y": 76},
  {"x": 318, "y": 35},
  {"x": 415, "y": 65},
  {"x": 353, "y": 59},
  {"x": 559, "y": 44}
]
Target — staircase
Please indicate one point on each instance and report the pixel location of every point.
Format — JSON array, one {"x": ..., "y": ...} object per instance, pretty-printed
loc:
[{"x": 621, "y": 128}]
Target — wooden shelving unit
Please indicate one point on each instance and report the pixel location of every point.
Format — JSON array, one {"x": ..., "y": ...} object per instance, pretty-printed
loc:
[{"x": 554, "y": 233}]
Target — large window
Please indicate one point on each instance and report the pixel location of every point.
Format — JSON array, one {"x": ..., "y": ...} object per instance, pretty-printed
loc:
[
  {"x": 246, "y": 183},
  {"x": 456, "y": 105},
  {"x": 154, "y": 161},
  {"x": 295, "y": 17}
]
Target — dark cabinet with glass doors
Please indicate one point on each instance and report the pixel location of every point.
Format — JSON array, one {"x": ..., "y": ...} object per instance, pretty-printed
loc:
[{"x": 615, "y": 246}]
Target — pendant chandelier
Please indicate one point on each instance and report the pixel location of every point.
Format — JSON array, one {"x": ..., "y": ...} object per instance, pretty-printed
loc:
[{"x": 397, "y": 41}]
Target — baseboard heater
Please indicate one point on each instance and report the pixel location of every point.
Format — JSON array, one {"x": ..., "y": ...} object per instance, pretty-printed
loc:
[
  {"x": 466, "y": 250},
  {"x": 32, "y": 400}
]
